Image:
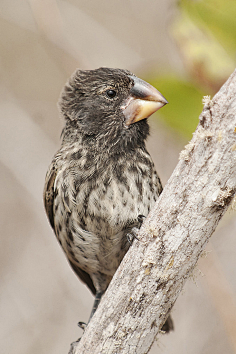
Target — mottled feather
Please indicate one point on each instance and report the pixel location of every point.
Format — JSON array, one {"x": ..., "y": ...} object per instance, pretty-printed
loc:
[{"x": 102, "y": 178}]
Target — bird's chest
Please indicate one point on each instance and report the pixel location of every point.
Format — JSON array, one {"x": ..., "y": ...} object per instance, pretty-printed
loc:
[
  {"x": 112, "y": 201},
  {"x": 98, "y": 207}
]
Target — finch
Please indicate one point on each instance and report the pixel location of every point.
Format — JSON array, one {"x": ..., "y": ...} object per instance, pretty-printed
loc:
[{"x": 102, "y": 178}]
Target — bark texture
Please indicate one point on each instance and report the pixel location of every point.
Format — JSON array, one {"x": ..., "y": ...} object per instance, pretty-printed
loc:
[{"x": 153, "y": 272}]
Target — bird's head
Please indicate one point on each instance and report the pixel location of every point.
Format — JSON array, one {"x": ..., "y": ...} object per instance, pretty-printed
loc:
[{"x": 110, "y": 105}]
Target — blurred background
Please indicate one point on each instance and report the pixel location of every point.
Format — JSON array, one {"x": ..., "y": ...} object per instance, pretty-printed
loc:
[{"x": 186, "y": 49}]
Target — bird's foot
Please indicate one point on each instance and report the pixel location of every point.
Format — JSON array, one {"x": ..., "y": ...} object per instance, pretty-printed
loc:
[
  {"x": 82, "y": 325},
  {"x": 141, "y": 219},
  {"x": 73, "y": 346},
  {"x": 134, "y": 232}
]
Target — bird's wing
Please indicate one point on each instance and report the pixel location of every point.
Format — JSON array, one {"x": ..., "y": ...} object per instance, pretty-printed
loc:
[
  {"x": 48, "y": 193},
  {"x": 85, "y": 277},
  {"x": 48, "y": 196}
]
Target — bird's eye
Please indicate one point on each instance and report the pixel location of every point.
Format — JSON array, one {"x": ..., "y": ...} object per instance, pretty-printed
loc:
[{"x": 111, "y": 93}]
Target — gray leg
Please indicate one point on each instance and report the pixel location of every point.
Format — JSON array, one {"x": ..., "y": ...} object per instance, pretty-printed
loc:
[{"x": 96, "y": 303}]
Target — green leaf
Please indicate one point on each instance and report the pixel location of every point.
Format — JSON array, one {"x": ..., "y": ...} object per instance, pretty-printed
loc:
[
  {"x": 185, "y": 104},
  {"x": 218, "y": 16},
  {"x": 204, "y": 57}
]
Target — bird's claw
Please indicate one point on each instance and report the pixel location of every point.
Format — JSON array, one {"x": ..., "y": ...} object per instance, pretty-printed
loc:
[
  {"x": 82, "y": 325},
  {"x": 141, "y": 219},
  {"x": 133, "y": 234},
  {"x": 73, "y": 346}
]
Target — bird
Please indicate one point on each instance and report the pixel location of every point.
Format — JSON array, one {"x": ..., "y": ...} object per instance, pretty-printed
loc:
[{"x": 102, "y": 179}]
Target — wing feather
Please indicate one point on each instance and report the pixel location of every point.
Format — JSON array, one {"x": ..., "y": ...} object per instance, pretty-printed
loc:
[{"x": 48, "y": 196}]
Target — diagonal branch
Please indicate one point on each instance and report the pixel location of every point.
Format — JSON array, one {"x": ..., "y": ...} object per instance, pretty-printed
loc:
[{"x": 154, "y": 270}]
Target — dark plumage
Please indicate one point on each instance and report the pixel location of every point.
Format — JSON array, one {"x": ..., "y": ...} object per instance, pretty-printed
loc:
[{"x": 102, "y": 178}]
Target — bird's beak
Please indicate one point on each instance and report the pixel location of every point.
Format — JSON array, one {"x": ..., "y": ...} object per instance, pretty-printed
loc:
[{"x": 142, "y": 102}]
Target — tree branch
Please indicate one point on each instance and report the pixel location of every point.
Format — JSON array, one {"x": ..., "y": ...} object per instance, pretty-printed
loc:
[{"x": 154, "y": 270}]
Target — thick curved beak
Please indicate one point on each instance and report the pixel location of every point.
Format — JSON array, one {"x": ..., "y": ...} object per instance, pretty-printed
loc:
[{"x": 142, "y": 102}]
